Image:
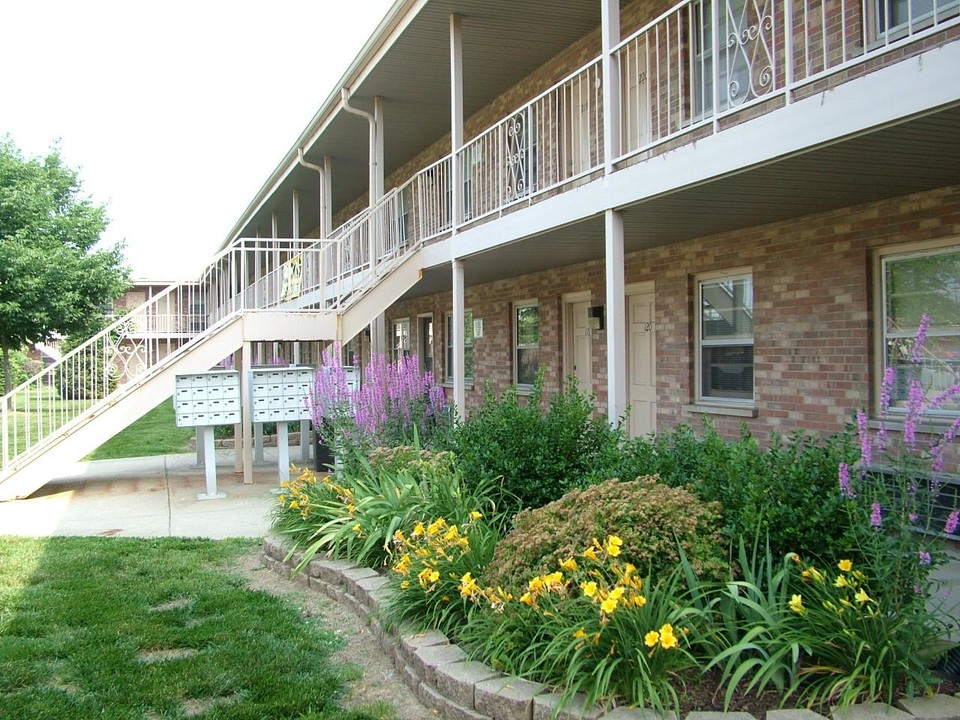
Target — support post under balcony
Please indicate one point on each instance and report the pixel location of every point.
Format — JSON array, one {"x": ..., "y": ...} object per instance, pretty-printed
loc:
[
  {"x": 246, "y": 358},
  {"x": 459, "y": 358},
  {"x": 616, "y": 312}
]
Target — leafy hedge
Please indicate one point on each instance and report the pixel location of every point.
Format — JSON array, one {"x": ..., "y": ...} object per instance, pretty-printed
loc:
[
  {"x": 540, "y": 451},
  {"x": 649, "y": 517},
  {"x": 787, "y": 492}
]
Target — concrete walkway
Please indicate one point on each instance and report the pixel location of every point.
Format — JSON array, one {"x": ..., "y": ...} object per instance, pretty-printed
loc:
[{"x": 148, "y": 497}]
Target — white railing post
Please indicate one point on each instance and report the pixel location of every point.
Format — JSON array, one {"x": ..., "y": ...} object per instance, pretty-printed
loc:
[
  {"x": 715, "y": 52},
  {"x": 610, "y": 32},
  {"x": 788, "y": 49}
]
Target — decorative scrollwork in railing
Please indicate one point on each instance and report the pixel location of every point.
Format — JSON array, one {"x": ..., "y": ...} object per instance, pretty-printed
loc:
[{"x": 749, "y": 51}]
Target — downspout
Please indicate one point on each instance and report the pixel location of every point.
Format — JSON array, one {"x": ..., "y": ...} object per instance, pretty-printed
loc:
[
  {"x": 321, "y": 258},
  {"x": 377, "y": 327},
  {"x": 323, "y": 182},
  {"x": 345, "y": 99}
]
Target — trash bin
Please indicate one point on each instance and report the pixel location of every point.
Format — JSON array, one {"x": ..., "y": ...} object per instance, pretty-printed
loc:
[{"x": 323, "y": 454}]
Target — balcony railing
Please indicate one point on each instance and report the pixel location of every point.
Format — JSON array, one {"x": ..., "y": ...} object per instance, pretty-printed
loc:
[
  {"x": 705, "y": 59},
  {"x": 555, "y": 138},
  {"x": 687, "y": 69}
]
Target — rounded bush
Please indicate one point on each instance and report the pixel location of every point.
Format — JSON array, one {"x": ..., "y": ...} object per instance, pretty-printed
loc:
[{"x": 649, "y": 517}]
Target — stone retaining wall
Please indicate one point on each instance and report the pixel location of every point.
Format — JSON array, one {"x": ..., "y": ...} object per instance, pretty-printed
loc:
[{"x": 457, "y": 688}]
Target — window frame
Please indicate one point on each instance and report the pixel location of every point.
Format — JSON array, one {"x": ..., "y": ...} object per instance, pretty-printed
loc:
[
  {"x": 879, "y": 362},
  {"x": 880, "y": 14},
  {"x": 517, "y": 347},
  {"x": 468, "y": 342},
  {"x": 743, "y": 273}
]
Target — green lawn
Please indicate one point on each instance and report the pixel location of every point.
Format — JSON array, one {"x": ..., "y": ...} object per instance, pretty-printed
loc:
[
  {"x": 124, "y": 628},
  {"x": 156, "y": 433}
]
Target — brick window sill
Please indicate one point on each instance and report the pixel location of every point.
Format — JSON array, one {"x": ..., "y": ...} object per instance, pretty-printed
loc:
[{"x": 745, "y": 411}]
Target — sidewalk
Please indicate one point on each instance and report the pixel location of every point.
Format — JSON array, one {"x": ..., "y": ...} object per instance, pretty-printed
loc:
[{"x": 148, "y": 497}]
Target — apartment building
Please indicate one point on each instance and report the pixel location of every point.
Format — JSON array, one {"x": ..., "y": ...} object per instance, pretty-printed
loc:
[
  {"x": 737, "y": 209},
  {"x": 734, "y": 209}
]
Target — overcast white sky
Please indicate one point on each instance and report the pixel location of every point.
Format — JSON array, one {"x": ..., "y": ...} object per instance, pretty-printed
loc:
[{"x": 175, "y": 112}]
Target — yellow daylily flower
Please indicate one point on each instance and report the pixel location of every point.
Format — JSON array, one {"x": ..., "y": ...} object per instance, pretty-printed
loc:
[
  {"x": 613, "y": 545},
  {"x": 845, "y": 565},
  {"x": 651, "y": 639},
  {"x": 570, "y": 565},
  {"x": 667, "y": 639},
  {"x": 476, "y": 515},
  {"x": 862, "y": 597},
  {"x": 841, "y": 582},
  {"x": 591, "y": 554},
  {"x": 589, "y": 588},
  {"x": 608, "y": 606},
  {"x": 796, "y": 604}
]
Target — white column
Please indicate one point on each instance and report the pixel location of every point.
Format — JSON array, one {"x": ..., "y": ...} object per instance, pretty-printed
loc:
[
  {"x": 295, "y": 210},
  {"x": 376, "y": 161},
  {"x": 616, "y": 314},
  {"x": 210, "y": 466},
  {"x": 459, "y": 360},
  {"x": 246, "y": 410},
  {"x": 258, "y": 442},
  {"x": 283, "y": 451},
  {"x": 326, "y": 216},
  {"x": 456, "y": 116},
  {"x": 610, "y": 36},
  {"x": 238, "y": 428},
  {"x": 378, "y": 326}
]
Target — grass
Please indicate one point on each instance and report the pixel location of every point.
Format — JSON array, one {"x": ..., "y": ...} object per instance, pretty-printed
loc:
[
  {"x": 155, "y": 629},
  {"x": 156, "y": 433}
]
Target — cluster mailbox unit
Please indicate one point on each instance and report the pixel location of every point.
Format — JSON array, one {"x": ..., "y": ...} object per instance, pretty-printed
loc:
[
  {"x": 203, "y": 400},
  {"x": 277, "y": 394}
]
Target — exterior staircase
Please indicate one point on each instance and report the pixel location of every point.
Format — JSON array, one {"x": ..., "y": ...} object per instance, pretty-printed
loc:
[{"x": 253, "y": 291}]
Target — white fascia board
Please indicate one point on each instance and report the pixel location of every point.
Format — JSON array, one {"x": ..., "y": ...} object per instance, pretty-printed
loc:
[
  {"x": 436, "y": 254},
  {"x": 887, "y": 96},
  {"x": 398, "y": 17}
]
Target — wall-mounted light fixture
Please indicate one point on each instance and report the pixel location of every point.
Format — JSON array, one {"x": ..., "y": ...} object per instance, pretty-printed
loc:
[{"x": 595, "y": 317}]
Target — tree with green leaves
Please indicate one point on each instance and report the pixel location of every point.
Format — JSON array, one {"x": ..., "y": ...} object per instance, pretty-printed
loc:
[{"x": 53, "y": 278}]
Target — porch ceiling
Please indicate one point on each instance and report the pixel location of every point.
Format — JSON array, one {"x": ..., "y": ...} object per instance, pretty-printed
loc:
[
  {"x": 920, "y": 154},
  {"x": 503, "y": 42}
]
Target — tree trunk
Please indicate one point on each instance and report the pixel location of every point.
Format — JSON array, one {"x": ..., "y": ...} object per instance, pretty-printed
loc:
[{"x": 6, "y": 368}]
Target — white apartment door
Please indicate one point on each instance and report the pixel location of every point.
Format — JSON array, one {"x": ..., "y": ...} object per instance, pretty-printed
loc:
[
  {"x": 636, "y": 98},
  {"x": 642, "y": 363},
  {"x": 579, "y": 356}
]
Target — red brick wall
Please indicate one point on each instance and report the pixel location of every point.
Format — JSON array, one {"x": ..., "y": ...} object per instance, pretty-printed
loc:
[{"x": 812, "y": 311}]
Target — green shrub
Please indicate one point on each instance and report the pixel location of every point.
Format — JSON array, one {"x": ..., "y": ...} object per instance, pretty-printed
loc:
[
  {"x": 355, "y": 514},
  {"x": 539, "y": 452},
  {"x": 787, "y": 493},
  {"x": 650, "y": 518}
]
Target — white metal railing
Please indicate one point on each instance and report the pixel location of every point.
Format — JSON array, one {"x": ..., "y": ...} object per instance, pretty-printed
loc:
[
  {"x": 250, "y": 274},
  {"x": 555, "y": 138},
  {"x": 87, "y": 374},
  {"x": 705, "y": 59}
]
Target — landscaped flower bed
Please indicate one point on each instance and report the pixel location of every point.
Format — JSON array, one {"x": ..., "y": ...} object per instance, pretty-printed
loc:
[{"x": 728, "y": 575}]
